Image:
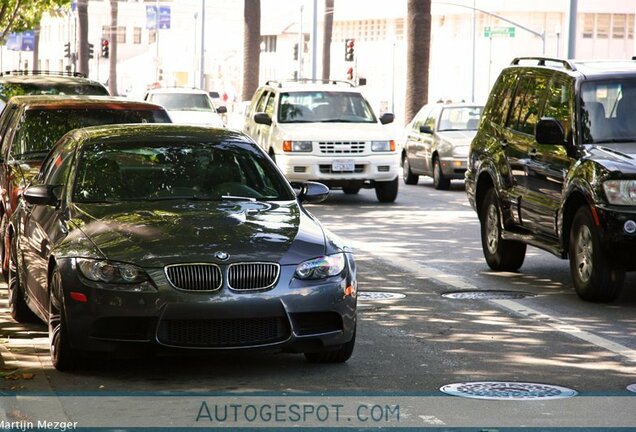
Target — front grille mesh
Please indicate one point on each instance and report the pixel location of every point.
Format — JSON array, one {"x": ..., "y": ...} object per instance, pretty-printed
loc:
[
  {"x": 195, "y": 277},
  {"x": 223, "y": 332},
  {"x": 252, "y": 276},
  {"x": 341, "y": 147}
]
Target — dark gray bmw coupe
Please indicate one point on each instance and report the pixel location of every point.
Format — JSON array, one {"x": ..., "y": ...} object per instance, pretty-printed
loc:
[{"x": 177, "y": 236}]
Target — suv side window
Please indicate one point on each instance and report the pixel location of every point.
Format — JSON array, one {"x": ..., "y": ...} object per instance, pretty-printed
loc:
[
  {"x": 503, "y": 89},
  {"x": 260, "y": 105},
  {"x": 269, "y": 107},
  {"x": 526, "y": 105},
  {"x": 559, "y": 102}
]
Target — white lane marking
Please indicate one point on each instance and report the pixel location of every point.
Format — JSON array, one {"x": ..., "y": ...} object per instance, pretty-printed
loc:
[{"x": 394, "y": 256}]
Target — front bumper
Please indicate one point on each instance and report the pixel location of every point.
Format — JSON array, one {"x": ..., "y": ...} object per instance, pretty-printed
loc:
[
  {"x": 300, "y": 168},
  {"x": 294, "y": 315},
  {"x": 619, "y": 245},
  {"x": 453, "y": 167}
]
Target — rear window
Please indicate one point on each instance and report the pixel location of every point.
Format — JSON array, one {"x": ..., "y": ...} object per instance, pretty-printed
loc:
[
  {"x": 39, "y": 129},
  {"x": 8, "y": 90}
]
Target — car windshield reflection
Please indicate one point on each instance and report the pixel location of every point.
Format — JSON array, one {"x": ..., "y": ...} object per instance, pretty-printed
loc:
[
  {"x": 460, "y": 118},
  {"x": 110, "y": 173}
]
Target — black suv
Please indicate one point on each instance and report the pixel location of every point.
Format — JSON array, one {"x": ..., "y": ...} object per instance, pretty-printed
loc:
[
  {"x": 17, "y": 83},
  {"x": 553, "y": 165}
]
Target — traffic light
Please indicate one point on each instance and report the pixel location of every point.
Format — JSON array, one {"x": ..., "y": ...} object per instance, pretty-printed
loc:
[
  {"x": 67, "y": 50},
  {"x": 350, "y": 74},
  {"x": 90, "y": 50},
  {"x": 105, "y": 48},
  {"x": 295, "y": 51},
  {"x": 350, "y": 45}
]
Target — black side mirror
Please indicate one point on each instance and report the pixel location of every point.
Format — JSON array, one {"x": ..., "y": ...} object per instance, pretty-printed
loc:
[
  {"x": 222, "y": 109},
  {"x": 549, "y": 131},
  {"x": 426, "y": 129},
  {"x": 40, "y": 195},
  {"x": 262, "y": 118},
  {"x": 387, "y": 118},
  {"x": 313, "y": 192}
]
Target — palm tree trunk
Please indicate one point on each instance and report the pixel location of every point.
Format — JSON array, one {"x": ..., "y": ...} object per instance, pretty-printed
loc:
[
  {"x": 251, "y": 47},
  {"x": 418, "y": 47},
  {"x": 82, "y": 24},
  {"x": 112, "y": 59},
  {"x": 327, "y": 31}
]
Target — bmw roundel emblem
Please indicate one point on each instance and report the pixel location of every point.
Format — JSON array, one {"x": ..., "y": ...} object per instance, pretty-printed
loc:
[{"x": 223, "y": 256}]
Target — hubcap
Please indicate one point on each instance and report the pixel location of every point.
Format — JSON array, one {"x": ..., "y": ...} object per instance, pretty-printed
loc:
[
  {"x": 492, "y": 229},
  {"x": 436, "y": 173},
  {"x": 405, "y": 168},
  {"x": 12, "y": 279},
  {"x": 583, "y": 253}
]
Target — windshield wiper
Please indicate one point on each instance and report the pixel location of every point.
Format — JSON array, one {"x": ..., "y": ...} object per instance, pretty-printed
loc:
[{"x": 339, "y": 121}]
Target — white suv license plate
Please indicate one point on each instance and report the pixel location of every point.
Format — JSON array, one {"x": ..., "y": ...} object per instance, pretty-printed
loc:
[{"x": 343, "y": 165}]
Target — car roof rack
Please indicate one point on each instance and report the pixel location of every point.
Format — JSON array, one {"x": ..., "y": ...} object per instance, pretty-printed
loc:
[
  {"x": 42, "y": 72},
  {"x": 541, "y": 61},
  {"x": 279, "y": 84}
]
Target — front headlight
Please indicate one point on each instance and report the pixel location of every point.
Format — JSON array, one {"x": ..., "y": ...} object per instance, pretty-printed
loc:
[
  {"x": 111, "y": 272},
  {"x": 322, "y": 267},
  {"x": 620, "y": 192},
  {"x": 383, "y": 146},
  {"x": 297, "y": 146}
]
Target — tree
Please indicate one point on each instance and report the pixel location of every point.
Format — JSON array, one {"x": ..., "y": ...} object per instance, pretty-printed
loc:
[
  {"x": 251, "y": 47},
  {"x": 82, "y": 25},
  {"x": 112, "y": 74},
  {"x": 417, "y": 56},
  {"x": 327, "y": 31},
  {"x": 19, "y": 15}
]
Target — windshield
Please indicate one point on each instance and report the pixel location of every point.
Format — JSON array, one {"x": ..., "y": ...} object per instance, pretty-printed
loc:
[
  {"x": 324, "y": 106},
  {"x": 39, "y": 129},
  {"x": 608, "y": 111},
  {"x": 460, "y": 118},
  {"x": 183, "y": 101},
  {"x": 110, "y": 172}
]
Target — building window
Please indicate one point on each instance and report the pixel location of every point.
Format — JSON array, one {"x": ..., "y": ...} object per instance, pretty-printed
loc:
[
  {"x": 618, "y": 26},
  {"x": 106, "y": 32},
  {"x": 137, "y": 35},
  {"x": 152, "y": 36},
  {"x": 588, "y": 26},
  {"x": 602, "y": 26},
  {"x": 268, "y": 43},
  {"x": 121, "y": 34}
]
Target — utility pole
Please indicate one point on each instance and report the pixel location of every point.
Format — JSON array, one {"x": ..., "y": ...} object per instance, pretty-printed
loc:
[
  {"x": 202, "y": 65},
  {"x": 572, "y": 30}
]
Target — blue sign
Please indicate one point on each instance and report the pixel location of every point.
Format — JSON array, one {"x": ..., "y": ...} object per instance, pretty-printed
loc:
[
  {"x": 14, "y": 41},
  {"x": 28, "y": 41},
  {"x": 151, "y": 17},
  {"x": 164, "y": 17}
]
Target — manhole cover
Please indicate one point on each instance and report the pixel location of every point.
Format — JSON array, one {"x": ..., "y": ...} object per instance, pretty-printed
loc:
[
  {"x": 508, "y": 390},
  {"x": 486, "y": 295},
  {"x": 632, "y": 388},
  {"x": 378, "y": 295}
]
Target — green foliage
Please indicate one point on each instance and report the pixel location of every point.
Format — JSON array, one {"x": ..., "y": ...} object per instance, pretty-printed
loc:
[{"x": 19, "y": 15}]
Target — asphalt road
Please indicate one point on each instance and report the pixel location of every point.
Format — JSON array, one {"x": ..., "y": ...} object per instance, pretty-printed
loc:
[{"x": 420, "y": 248}]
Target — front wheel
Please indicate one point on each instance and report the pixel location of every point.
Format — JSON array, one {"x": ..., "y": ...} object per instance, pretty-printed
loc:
[
  {"x": 386, "y": 191},
  {"x": 594, "y": 278},
  {"x": 338, "y": 355},
  {"x": 500, "y": 254},
  {"x": 439, "y": 181},
  {"x": 63, "y": 356},
  {"x": 407, "y": 175}
]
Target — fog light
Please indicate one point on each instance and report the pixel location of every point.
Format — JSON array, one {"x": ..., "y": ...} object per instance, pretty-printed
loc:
[{"x": 630, "y": 227}]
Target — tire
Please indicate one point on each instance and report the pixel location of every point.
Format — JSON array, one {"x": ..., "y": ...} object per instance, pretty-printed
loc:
[
  {"x": 3, "y": 227},
  {"x": 350, "y": 190},
  {"x": 501, "y": 255},
  {"x": 63, "y": 357},
  {"x": 407, "y": 175},
  {"x": 338, "y": 355},
  {"x": 386, "y": 191},
  {"x": 17, "y": 305},
  {"x": 439, "y": 181},
  {"x": 594, "y": 278}
]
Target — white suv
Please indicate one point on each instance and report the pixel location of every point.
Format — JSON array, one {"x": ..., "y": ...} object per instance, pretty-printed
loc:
[
  {"x": 326, "y": 133},
  {"x": 188, "y": 105}
]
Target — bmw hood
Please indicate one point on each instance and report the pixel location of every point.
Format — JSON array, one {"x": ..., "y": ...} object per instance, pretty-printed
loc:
[
  {"x": 157, "y": 234},
  {"x": 334, "y": 131}
]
